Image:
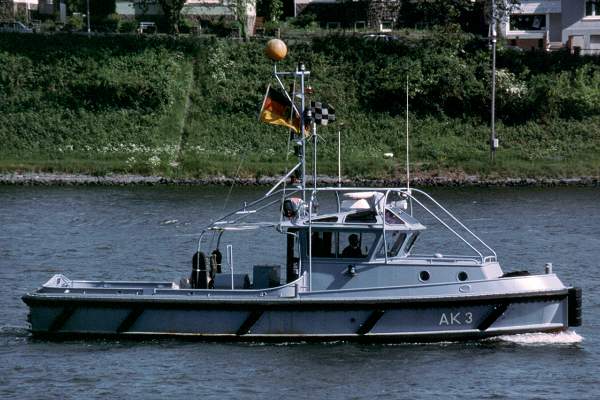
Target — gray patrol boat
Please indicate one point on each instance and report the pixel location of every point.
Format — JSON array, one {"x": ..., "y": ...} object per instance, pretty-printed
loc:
[{"x": 349, "y": 273}]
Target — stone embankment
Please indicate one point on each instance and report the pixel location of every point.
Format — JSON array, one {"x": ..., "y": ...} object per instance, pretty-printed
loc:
[{"x": 31, "y": 178}]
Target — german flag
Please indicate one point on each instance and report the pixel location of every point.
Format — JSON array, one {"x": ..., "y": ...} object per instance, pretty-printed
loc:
[{"x": 277, "y": 110}]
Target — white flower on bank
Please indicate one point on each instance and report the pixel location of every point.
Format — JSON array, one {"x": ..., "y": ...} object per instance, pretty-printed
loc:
[
  {"x": 510, "y": 84},
  {"x": 154, "y": 161},
  {"x": 130, "y": 161}
]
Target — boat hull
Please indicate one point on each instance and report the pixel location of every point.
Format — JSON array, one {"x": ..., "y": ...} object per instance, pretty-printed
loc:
[{"x": 303, "y": 318}]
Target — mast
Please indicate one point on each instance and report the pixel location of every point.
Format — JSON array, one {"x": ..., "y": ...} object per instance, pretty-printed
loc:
[
  {"x": 339, "y": 155},
  {"x": 276, "y": 50},
  {"x": 301, "y": 72},
  {"x": 299, "y": 138}
]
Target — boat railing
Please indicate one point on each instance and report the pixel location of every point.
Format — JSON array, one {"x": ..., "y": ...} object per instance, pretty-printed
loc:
[
  {"x": 407, "y": 193},
  {"x": 253, "y": 207},
  {"x": 274, "y": 196},
  {"x": 492, "y": 257},
  {"x": 446, "y": 258}
]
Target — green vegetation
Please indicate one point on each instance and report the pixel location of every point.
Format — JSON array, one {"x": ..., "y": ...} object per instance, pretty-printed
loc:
[{"x": 186, "y": 107}]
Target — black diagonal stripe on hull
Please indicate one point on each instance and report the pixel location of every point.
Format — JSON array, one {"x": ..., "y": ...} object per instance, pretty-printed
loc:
[
  {"x": 493, "y": 316},
  {"x": 62, "y": 318},
  {"x": 130, "y": 320},
  {"x": 252, "y": 319},
  {"x": 370, "y": 322}
]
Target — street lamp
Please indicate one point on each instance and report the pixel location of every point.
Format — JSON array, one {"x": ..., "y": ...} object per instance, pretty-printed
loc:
[
  {"x": 89, "y": 31},
  {"x": 494, "y": 39}
]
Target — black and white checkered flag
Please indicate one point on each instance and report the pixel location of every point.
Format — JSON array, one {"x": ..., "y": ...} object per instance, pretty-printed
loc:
[{"x": 322, "y": 113}]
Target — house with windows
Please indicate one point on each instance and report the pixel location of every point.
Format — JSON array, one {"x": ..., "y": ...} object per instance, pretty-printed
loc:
[
  {"x": 553, "y": 24},
  {"x": 378, "y": 15},
  {"x": 581, "y": 26},
  {"x": 21, "y": 7},
  {"x": 197, "y": 9}
]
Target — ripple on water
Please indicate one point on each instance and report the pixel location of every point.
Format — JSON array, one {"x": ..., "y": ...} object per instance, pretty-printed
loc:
[{"x": 14, "y": 331}]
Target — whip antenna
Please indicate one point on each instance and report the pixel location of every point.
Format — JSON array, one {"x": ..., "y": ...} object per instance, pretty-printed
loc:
[{"x": 407, "y": 157}]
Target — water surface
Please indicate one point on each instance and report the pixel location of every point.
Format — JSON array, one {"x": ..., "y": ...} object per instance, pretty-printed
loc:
[{"x": 149, "y": 233}]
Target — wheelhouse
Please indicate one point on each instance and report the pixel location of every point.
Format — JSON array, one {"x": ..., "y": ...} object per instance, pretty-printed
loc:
[{"x": 367, "y": 229}]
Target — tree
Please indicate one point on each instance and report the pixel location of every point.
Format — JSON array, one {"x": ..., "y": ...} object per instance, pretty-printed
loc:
[
  {"x": 240, "y": 10},
  {"x": 171, "y": 9},
  {"x": 463, "y": 12},
  {"x": 503, "y": 9},
  {"x": 430, "y": 12},
  {"x": 275, "y": 10},
  {"x": 7, "y": 10},
  {"x": 98, "y": 8}
]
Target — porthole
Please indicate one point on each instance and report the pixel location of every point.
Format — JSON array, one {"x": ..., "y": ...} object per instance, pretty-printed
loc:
[
  {"x": 462, "y": 276},
  {"x": 424, "y": 276}
]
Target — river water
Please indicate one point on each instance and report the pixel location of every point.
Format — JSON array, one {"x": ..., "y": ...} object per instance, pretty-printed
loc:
[{"x": 148, "y": 233}]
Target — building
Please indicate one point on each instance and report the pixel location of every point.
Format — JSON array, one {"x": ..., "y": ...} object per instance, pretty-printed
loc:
[
  {"x": 150, "y": 9},
  {"x": 21, "y": 8},
  {"x": 198, "y": 9},
  {"x": 581, "y": 25},
  {"x": 379, "y": 15},
  {"x": 553, "y": 24}
]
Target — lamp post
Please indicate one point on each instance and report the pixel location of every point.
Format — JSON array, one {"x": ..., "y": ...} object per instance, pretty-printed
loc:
[
  {"x": 89, "y": 31},
  {"x": 493, "y": 35}
]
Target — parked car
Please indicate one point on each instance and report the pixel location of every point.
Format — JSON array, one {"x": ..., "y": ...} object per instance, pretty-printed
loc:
[{"x": 14, "y": 26}]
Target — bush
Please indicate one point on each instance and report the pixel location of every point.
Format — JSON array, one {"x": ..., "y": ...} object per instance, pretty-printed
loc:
[
  {"x": 74, "y": 23},
  {"x": 48, "y": 26},
  {"x": 188, "y": 25},
  {"x": 128, "y": 26},
  {"x": 305, "y": 20},
  {"x": 71, "y": 92},
  {"x": 223, "y": 27},
  {"x": 111, "y": 23},
  {"x": 271, "y": 27},
  {"x": 128, "y": 91}
]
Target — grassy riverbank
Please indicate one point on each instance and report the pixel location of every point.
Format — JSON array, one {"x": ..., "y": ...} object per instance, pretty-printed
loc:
[{"x": 186, "y": 108}]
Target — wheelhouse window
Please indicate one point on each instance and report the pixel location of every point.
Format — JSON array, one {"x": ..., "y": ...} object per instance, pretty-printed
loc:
[
  {"x": 592, "y": 8},
  {"x": 323, "y": 244},
  {"x": 392, "y": 218},
  {"x": 531, "y": 22},
  {"x": 410, "y": 243},
  {"x": 355, "y": 244},
  {"x": 327, "y": 244},
  {"x": 394, "y": 240},
  {"x": 362, "y": 217}
]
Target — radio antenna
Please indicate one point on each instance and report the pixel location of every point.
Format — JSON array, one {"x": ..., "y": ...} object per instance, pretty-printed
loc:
[{"x": 407, "y": 151}]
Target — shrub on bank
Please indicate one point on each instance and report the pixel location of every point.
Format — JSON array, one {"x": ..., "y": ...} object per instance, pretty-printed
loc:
[
  {"x": 66, "y": 93},
  {"x": 67, "y": 97}
]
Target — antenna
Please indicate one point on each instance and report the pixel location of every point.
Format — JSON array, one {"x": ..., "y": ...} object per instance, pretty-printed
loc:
[
  {"x": 407, "y": 151},
  {"x": 301, "y": 70},
  {"x": 340, "y": 154}
]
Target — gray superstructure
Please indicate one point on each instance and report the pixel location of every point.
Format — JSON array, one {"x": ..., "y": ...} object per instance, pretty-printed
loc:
[{"x": 350, "y": 273}]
